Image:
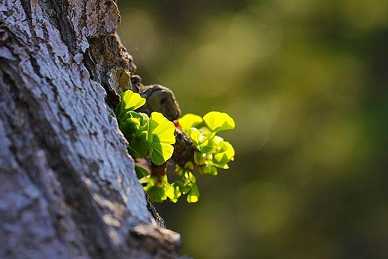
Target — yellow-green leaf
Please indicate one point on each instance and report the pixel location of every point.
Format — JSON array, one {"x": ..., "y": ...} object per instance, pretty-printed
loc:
[
  {"x": 193, "y": 195},
  {"x": 131, "y": 100},
  {"x": 189, "y": 120},
  {"x": 160, "y": 152},
  {"x": 219, "y": 121},
  {"x": 173, "y": 192},
  {"x": 162, "y": 127},
  {"x": 227, "y": 150},
  {"x": 161, "y": 138}
]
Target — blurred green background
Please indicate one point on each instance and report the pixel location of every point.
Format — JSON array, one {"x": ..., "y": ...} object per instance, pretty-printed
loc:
[{"x": 307, "y": 83}]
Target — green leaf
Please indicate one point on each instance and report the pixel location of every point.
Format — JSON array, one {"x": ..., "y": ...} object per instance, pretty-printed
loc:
[
  {"x": 193, "y": 195},
  {"x": 131, "y": 101},
  {"x": 189, "y": 120},
  {"x": 196, "y": 136},
  {"x": 225, "y": 153},
  {"x": 147, "y": 182},
  {"x": 138, "y": 145},
  {"x": 185, "y": 180},
  {"x": 199, "y": 158},
  {"x": 219, "y": 121},
  {"x": 160, "y": 152},
  {"x": 157, "y": 194},
  {"x": 133, "y": 123},
  {"x": 141, "y": 171},
  {"x": 190, "y": 178},
  {"x": 216, "y": 142},
  {"x": 153, "y": 138},
  {"x": 162, "y": 127},
  {"x": 161, "y": 138},
  {"x": 208, "y": 169},
  {"x": 173, "y": 192},
  {"x": 143, "y": 119}
]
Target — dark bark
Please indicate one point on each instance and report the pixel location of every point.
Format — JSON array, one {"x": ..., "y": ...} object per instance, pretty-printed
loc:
[{"x": 67, "y": 184}]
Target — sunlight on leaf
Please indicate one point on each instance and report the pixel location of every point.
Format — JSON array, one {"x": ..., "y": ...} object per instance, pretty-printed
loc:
[
  {"x": 161, "y": 138},
  {"x": 225, "y": 154},
  {"x": 161, "y": 152},
  {"x": 219, "y": 121},
  {"x": 131, "y": 100},
  {"x": 162, "y": 127},
  {"x": 193, "y": 195},
  {"x": 190, "y": 120}
]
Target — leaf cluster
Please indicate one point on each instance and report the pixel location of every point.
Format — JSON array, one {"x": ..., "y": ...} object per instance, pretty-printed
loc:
[
  {"x": 212, "y": 151},
  {"x": 152, "y": 138},
  {"x": 149, "y": 137}
]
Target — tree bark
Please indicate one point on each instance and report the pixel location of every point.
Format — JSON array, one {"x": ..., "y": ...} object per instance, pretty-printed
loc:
[{"x": 67, "y": 184}]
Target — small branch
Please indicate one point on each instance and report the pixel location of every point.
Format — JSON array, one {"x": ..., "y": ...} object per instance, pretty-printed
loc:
[{"x": 183, "y": 149}]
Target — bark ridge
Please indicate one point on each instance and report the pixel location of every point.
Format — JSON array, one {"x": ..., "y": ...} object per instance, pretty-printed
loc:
[{"x": 67, "y": 185}]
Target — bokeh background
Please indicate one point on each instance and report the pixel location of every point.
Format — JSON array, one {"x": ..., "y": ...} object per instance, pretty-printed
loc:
[{"x": 307, "y": 83}]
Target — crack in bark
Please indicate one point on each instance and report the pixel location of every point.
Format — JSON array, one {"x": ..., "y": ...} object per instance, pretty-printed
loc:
[
  {"x": 26, "y": 4},
  {"x": 62, "y": 22}
]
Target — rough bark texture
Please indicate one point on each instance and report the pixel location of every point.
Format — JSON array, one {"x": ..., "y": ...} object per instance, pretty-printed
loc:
[{"x": 67, "y": 185}]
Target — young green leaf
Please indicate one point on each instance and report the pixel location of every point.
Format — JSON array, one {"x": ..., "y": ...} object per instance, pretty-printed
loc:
[
  {"x": 133, "y": 123},
  {"x": 152, "y": 138},
  {"x": 141, "y": 171},
  {"x": 157, "y": 193},
  {"x": 173, "y": 192},
  {"x": 138, "y": 145},
  {"x": 163, "y": 128},
  {"x": 190, "y": 120},
  {"x": 160, "y": 152},
  {"x": 161, "y": 138},
  {"x": 193, "y": 195},
  {"x": 226, "y": 152},
  {"x": 219, "y": 121},
  {"x": 131, "y": 100}
]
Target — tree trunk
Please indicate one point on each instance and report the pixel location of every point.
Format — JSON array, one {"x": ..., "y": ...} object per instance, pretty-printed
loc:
[{"x": 67, "y": 184}]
